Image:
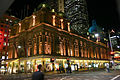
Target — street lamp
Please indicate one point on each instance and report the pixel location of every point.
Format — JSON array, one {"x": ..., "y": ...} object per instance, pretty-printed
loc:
[
  {"x": 97, "y": 36},
  {"x": 19, "y": 47}
]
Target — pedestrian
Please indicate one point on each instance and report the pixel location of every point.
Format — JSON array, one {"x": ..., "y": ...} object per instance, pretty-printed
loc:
[
  {"x": 38, "y": 75},
  {"x": 107, "y": 66}
]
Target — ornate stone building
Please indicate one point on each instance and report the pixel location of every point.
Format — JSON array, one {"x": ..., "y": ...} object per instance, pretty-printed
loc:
[{"x": 46, "y": 35}]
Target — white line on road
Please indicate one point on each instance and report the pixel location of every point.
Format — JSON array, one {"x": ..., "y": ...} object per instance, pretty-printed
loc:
[{"x": 115, "y": 77}]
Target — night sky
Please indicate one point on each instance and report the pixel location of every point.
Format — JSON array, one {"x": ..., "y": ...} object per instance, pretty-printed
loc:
[{"x": 103, "y": 11}]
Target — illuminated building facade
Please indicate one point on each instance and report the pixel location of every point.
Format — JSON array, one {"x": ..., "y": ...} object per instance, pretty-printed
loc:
[
  {"x": 115, "y": 44},
  {"x": 45, "y": 38},
  {"x": 76, "y": 12},
  {"x": 5, "y": 23}
]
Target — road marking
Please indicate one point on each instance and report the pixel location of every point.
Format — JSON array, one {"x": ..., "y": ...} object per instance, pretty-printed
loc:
[{"x": 115, "y": 77}]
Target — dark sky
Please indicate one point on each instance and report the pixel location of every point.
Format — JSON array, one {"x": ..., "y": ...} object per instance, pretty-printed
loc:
[{"x": 103, "y": 11}]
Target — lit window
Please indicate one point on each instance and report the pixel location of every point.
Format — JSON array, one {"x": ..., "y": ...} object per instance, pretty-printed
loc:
[
  {"x": 7, "y": 57},
  {"x": 6, "y": 19},
  {"x": 8, "y": 44},
  {"x": 19, "y": 27},
  {"x": 3, "y": 57},
  {"x": 5, "y": 35},
  {"x": 4, "y": 43},
  {"x": 10, "y": 20},
  {"x": 53, "y": 20},
  {"x": 2, "y": 67},
  {"x": 33, "y": 20}
]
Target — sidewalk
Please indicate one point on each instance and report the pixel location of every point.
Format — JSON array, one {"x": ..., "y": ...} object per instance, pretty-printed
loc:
[{"x": 28, "y": 76}]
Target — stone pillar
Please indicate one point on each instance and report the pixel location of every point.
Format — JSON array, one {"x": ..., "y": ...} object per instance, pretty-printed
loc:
[
  {"x": 43, "y": 43},
  {"x": 13, "y": 52},
  {"x": 93, "y": 51},
  {"x": 53, "y": 44},
  {"x": 25, "y": 66},
  {"x": 54, "y": 66},
  {"x": 12, "y": 67},
  {"x": 40, "y": 43},
  {"x": 64, "y": 65},
  {"x": 43, "y": 64},
  {"x": 34, "y": 40},
  {"x": 34, "y": 63},
  {"x": 37, "y": 45},
  {"x": 32, "y": 46},
  {"x": 18, "y": 65},
  {"x": 73, "y": 49},
  {"x": 64, "y": 47},
  {"x": 79, "y": 49}
]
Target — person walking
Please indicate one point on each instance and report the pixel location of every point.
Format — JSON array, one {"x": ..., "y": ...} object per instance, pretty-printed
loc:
[
  {"x": 108, "y": 67},
  {"x": 38, "y": 75}
]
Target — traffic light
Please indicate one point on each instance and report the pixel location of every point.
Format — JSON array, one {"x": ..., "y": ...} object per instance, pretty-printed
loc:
[{"x": 52, "y": 60}]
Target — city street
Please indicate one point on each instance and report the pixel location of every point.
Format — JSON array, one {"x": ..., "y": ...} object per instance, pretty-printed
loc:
[
  {"x": 97, "y": 75},
  {"x": 87, "y": 75}
]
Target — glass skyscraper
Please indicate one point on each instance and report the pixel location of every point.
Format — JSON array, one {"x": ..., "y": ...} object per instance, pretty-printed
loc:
[{"x": 76, "y": 12}]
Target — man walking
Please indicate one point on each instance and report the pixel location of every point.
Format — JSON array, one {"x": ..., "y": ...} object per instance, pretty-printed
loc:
[
  {"x": 107, "y": 66},
  {"x": 38, "y": 75}
]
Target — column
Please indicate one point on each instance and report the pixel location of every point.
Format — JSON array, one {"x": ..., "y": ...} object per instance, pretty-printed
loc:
[
  {"x": 34, "y": 62},
  {"x": 94, "y": 52},
  {"x": 34, "y": 40},
  {"x": 64, "y": 53},
  {"x": 79, "y": 48},
  {"x": 69, "y": 53},
  {"x": 13, "y": 52},
  {"x": 28, "y": 50},
  {"x": 37, "y": 45},
  {"x": 40, "y": 44},
  {"x": 66, "y": 45},
  {"x": 25, "y": 66},
  {"x": 43, "y": 43},
  {"x": 87, "y": 52},
  {"x": 18, "y": 65},
  {"x": 73, "y": 49},
  {"x": 12, "y": 67},
  {"x": 32, "y": 48},
  {"x": 43, "y": 64}
]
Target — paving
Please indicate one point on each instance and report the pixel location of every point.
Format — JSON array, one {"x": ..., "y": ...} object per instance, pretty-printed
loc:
[{"x": 87, "y": 75}]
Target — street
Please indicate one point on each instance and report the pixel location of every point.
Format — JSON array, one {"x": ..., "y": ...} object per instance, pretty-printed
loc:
[
  {"x": 97, "y": 75},
  {"x": 87, "y": 75}
]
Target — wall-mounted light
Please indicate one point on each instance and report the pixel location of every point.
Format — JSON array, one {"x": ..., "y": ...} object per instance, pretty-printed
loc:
[{"x": 53, "y": 20}]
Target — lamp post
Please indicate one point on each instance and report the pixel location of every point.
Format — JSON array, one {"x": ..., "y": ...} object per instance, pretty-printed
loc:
[
  {"x": 19, "y": 47},
  {"x": 111, "y": 48},
  {"x": 110, "y": 40}
]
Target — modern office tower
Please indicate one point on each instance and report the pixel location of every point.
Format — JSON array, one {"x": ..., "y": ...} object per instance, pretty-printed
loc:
[
  {"x": 52, "y": 4},
  {"x": 61, "y": 6},
  {"x": 5, "y": 23},
  {"x": 58, "y": 5},
  {"x": 45, "y": 38},
  {"x": 76, "y": 12},
  {"x": 115, "y": 41}
]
